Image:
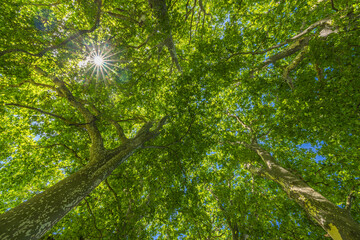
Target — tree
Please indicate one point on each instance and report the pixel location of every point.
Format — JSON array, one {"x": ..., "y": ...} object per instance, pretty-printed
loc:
[{"x": 179, "y": 119}]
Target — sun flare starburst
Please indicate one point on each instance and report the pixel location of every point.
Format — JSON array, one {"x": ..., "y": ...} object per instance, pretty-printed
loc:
[
  {"x": 98, "y": 60},
  {"x": 99, "y": 63}
]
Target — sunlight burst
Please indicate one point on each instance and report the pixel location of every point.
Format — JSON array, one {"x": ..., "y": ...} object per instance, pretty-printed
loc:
[
  {"x": 98, "y": 60},
  {"x": 99, "y": 63}
]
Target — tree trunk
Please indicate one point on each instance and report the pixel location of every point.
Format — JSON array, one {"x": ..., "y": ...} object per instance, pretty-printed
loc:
[
  {"x": 33, "y": 218},
  {"x": 335, "y": 221}
]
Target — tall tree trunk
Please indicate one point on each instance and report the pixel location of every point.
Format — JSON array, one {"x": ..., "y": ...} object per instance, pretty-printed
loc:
[
  {"x": 335, "y": 221},
  {"x": 33, "y": 218}
]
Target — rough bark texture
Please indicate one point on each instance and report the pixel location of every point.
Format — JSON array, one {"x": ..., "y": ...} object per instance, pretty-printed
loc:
[
  {"x": 33, "y": 218},
  {"x": 334, "y": 220}
]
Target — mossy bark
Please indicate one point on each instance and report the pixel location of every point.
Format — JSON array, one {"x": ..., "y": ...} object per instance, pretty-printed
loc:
[
  {"x": 335, "y": 221},
  {"x": 33, "y": 218}
]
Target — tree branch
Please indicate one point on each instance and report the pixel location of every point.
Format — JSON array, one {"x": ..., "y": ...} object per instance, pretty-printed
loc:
[
  {"x": 203, "y": 9},
  {"x": 254, "y": 170},
  {"x": 65, "y": 146},
  {"x": 297, "y": 60},
  {"x": 94, "y": 219},
  {"x": 97, "y": 147},
  {"x": 112, "y": 190},
  {"x": 333, "y": 6},
  {"x": 119, "y": 130},
  {"x": 349, "y": 199},
  {"x": 31, "y": 82},
  {"x": 142, "y": 44},
  {"x": 225, "y": 212},
  {"x": 161, "y": 13},
  {"x": 70, "y": 123},
  {"x": 241, "y": 122},
  {"x": 122, "y": 17},
  {"x": 296, "y": 37},
  {"x": 41, "y": 111},
  {"x": 310, "y": 28}
]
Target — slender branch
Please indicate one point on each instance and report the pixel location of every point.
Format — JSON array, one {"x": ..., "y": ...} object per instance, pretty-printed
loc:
[
  {"x": 112, "y": 190},
  {"x": 191, "y": 21},
  {"x": 65, "y": 92},
  {"x": 94, "y": 218},
  {"x": 349, "y": 199},
  {"x": 122, "y": 17},
  {"x": 186, "y": 9},
  {"x": 311, "y": 27},
  {"x": 16, "y": 50},
  {"x": 297, "y": 60},
  {"x": 119, "y": 130},
  {"x": 63, "y": 43},
  {"x": 264, "y": 134},
  {"x": 254, "y": 170},
  {"x": 203, "y": 9},
  {"x": 117, "y": 126},
  {"x": 161, "y": 123},
  {"x": 161, "y": 13},
  {"x": 45, "y": 5},
  {"x": 294, "y": 48},
  {"x": 241, "y": 122},
  {"x": 225, "y": 212},
  {"x": 70, "y": 123},
  {"x": 31, "y": 82},
  {"x": 296, "y": 37},
  {"x": 41, "y": 111},
  {"x": 65, "y": 146},
  {"x": 333, "y": 6},
  {"x": 238, "y": 143},
  {"x": 142, "y": 44}
]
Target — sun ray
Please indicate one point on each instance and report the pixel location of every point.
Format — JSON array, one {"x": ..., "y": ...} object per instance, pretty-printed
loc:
[
  {"x": 108, "y": 56},
  {"x": 108, "y": 68},
  {"x": 92, "y": 73},
  {"x": 111, "y": 64},
  {"x": 102, "y": 72},
  {"x": 107, "y": 52}
]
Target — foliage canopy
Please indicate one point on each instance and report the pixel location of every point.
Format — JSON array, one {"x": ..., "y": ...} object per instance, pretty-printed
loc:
[{"x": 244, "y": 86}]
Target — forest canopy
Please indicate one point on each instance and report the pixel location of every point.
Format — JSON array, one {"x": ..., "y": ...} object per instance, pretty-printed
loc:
[{"x": 179, "y": 119}]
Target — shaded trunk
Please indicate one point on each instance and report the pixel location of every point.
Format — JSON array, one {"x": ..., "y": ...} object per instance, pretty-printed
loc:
[
  {"x": 335, "y": 221},
  {"x": 33, "y": 218}
]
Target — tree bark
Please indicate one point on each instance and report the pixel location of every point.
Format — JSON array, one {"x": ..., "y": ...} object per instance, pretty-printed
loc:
[
  {"x": 33, "y": 218},
  {"x": 335, "y": 221}
]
